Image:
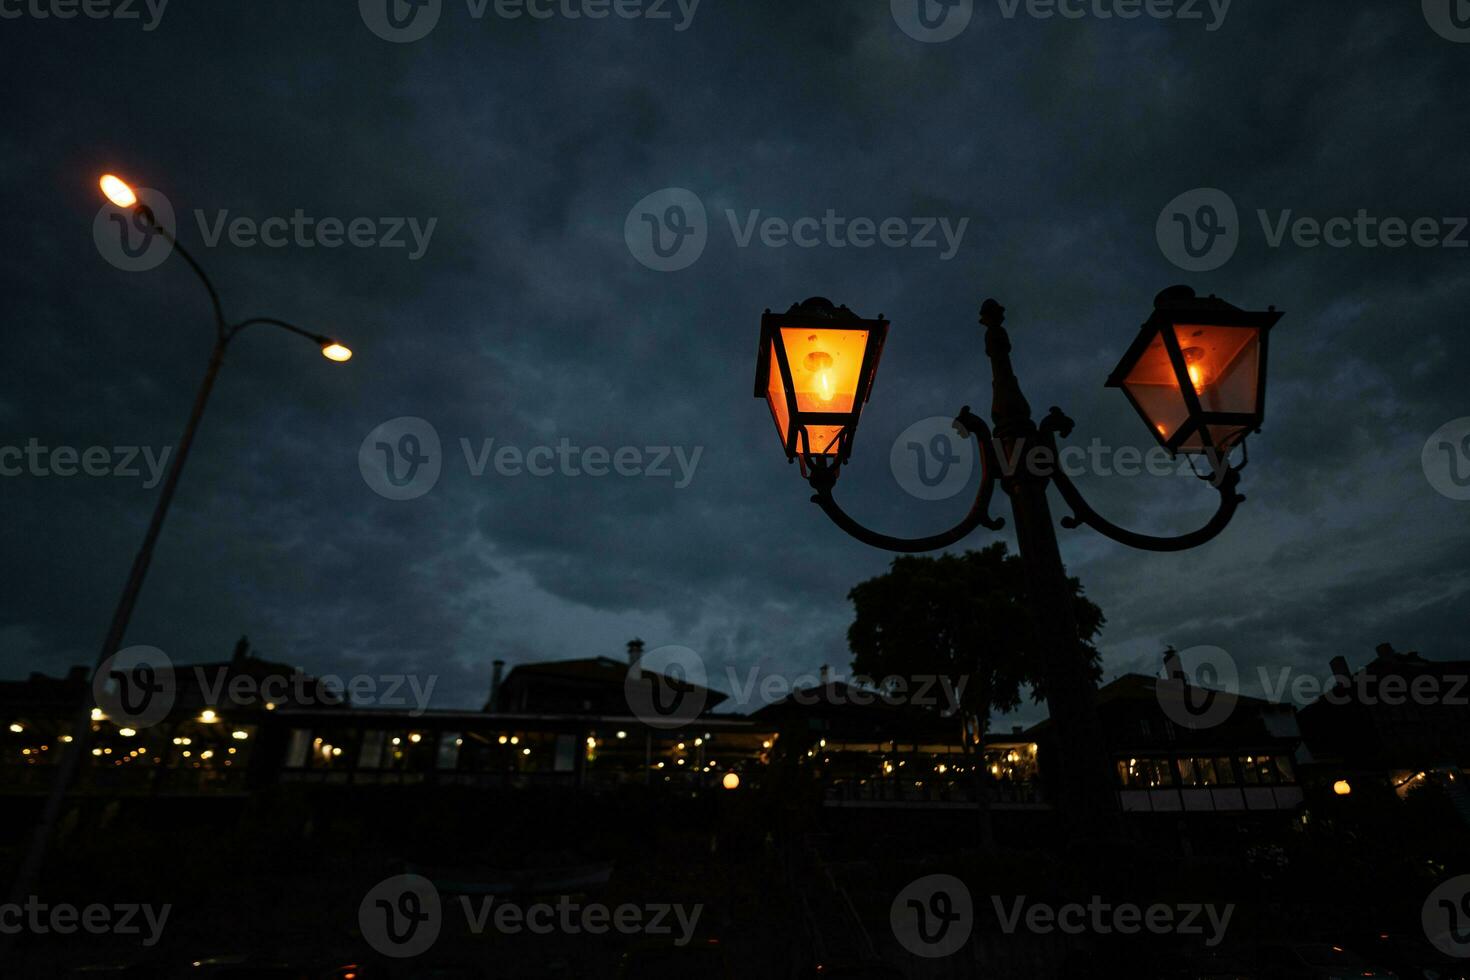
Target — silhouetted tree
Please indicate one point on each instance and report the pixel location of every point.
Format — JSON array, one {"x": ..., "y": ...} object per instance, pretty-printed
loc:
[{"x": 960, "y": 616}]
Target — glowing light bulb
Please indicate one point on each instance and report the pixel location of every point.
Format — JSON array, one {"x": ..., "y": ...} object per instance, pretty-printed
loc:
[
  {"x": 1198, "y": 376},
  {"x": 116, "y": 190},
  {"x": 819, "y": 363},
  {"x": 336, "y": 352}
]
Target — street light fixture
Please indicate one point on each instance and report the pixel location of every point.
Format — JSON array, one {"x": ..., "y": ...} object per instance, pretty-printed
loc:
[
  {"x": 815, "y": 370},
  {"x": 1196, "y": 374},
  {"x": 122, "y": 195}
]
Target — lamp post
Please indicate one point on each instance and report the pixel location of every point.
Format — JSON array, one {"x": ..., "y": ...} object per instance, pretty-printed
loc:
[
  {"x": 123, "y": 196},
  {"x": 1195, "y": 373}
]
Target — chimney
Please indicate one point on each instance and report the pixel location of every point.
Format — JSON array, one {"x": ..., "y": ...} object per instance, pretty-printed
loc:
[
  {"x": 493, "y": 705},
  {"x": 1386, "y": 651},
  {"x": 242, "y": 651},
  {"x": 635, "y": 651},
  {"x": 1342, "y": 674},
  {"x": 1173, "y": 667},
  {"x": 824, "y": 675}
]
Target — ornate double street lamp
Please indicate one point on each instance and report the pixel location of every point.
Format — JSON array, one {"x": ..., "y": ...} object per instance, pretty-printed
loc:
[
  {"x": 1196, "y": 373},
  {"x": 123, "y": 196}
]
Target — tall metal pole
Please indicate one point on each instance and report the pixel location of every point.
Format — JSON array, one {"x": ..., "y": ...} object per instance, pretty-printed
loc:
[
  {"x": 1079, "y": 772},
  {"x": 73, "y": 754}
]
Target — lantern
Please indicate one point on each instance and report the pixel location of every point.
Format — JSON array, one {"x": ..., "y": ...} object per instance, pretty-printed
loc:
[
  {"x": 815, "y": 370},
  {"x": 1197, "y": 372}
]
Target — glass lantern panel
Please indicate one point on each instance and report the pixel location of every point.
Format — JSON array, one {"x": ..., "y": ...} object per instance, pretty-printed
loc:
[
  {"x": 1224, "y": 364},
  {"x": 1223, "y": 437},
  {"x": 1154, "y": 387},
  {"x": 821, "y": 440},
  {"x": 826, "y": 367},
  {"x": 776, "y": 398}
]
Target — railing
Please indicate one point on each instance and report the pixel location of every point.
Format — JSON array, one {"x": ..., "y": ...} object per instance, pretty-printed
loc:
[
  {"x": 932, "y": 792},
  {"x": 127, "y": 781}
]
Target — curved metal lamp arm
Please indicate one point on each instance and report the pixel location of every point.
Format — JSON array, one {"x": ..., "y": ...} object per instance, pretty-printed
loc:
[
  {"x": 219, "y": 312},
  {"x": 823, "y": 479},
  {"x": 271, "y": 321},
  {"x": 1082, "y": 513}
]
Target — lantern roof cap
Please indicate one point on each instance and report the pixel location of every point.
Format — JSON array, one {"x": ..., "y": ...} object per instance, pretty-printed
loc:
[{"x": 822, "y": 308}]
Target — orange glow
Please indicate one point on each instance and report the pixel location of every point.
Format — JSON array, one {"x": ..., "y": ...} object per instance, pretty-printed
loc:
[
  {"x": 336, "y": 352},
  {"x": 819, "y": 363},
  {"x": 117, "y": 191},
  {"x": 1198, "y": 376},
  {"x": 826, "y": 369},
  {"x": 1342, "y": 787},
  {"x": 826, "y": 366},
  {"x": 731, "y": 780}
]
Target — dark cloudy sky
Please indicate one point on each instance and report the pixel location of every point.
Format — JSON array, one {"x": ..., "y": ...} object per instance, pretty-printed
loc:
[{"x": 529, "y": 319}]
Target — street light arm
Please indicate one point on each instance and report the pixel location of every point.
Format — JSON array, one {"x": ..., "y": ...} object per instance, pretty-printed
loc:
[
  {"x": 1057, "y": 423},
  {"x": 822, "y": 481},
  {"x": 214, "y": 300},
  {"x": 271, "y": 321}
]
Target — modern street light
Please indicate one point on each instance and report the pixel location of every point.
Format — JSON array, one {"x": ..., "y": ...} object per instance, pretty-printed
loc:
[
  {"x": 122, "y": 195},
  {"x": 1196, "y": 373}
]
